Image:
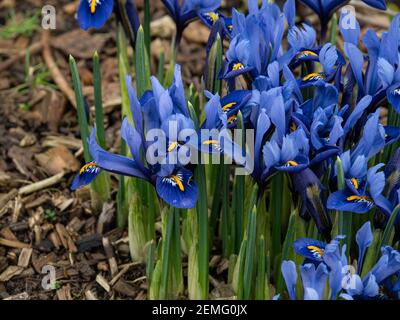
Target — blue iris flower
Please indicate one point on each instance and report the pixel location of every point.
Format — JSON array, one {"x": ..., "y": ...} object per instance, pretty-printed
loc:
[
  {"x": 94, "y": 13},
  {"x": 325, "y": 9},
  {"x": 387, "y": 265},
  {"x": 326, "y": 128},
  {"x": 222, "y": 113},
  {"x": 331, "y": 63},
  {"x": 157, "y": 109},
  {"x": 184, "y": 14},
  {"x": 313, "y": 278},
  {"x": 390, "y": 79},
  {"x": 343, "y": 281},
  {"x": 391, "y": 191},
  {"x": 303, "y": 45},
  {"x": 212, "y": 17},
  {"x": 310, "y": 249},
  {"x": 256, "y": 41},
  {"x": 381, "y": 79},
  {"x": 290, "y": 156},
  {"x": 359, "y": 289},
  {"x": 360, "y": 196}
]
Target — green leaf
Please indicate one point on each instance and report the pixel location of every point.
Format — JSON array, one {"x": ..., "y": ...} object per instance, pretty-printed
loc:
[
  {"x": 344, "y": 218},
  {"x": 203, "y": 225},
  {"x": 142, "y": 64},
  {"x": 82, "y": 118},
  {"x": 251, "y": 259},
  {"x": 147, "y": 29},
  {"x": 387, "y": 234},
  {"x": 98, "y": 103}
]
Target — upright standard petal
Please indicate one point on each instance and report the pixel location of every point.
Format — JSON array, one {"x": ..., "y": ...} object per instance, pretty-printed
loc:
[{"x": 289, "y": 274}]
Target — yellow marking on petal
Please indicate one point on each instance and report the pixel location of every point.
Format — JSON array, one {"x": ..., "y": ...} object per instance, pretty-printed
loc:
[
  {"x": 293, "y": 126},
  {"x": 312, "y": 75},
  {"x": 229, "y": 105},
  {"x": 178, "y": 182},
  {"x": 208, "y": 142},
  {"x": 93, "y": 4},
  {"x": 309, "y": 53},
  {"x": 86, "y": 166},
  {"x": 316, "y": 249},
  {"x": 230, "y": 27},
  {"x": 232, "y": 118},
  {"x": 172, "y": 146},
  {"x": 213, "y": 16},
  {"x": 292, "y": 163},
  {"x": 358, "y": 198},
  {"x": 354, "y": 182},
  {"x": 237, "y": 66}
]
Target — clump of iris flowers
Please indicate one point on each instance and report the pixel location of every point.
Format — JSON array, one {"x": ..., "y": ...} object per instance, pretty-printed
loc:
[{"x": 320, "y": 143}]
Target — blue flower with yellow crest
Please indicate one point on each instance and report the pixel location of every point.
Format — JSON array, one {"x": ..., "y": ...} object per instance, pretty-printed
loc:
[
  {"x": 94, "y": 13},
  {"x": 160, "y": 109}
]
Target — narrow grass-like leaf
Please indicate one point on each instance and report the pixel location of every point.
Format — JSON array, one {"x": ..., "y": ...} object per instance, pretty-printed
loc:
[
  {"x": 287, "y": 245},
  {"x": 146, "y": 27},
  {"x": 261, "y": 274},
  {"x": 250, "y": 263},
  {"x": 166, "y": 259},
  {"x": 387, "y": 233},
  {"x": 214, "y": 65},
  {"x": 82, "y": 119},
  {"x": 238, "y": 195},
  {"x": 150, "y": 259},
  {"x": 142, "y": 64},
  {"x": 344, "y": 218},
  {"x": 276, "y": 211},
  {"x": 98, "y": 103},
  {"x": 202, "y": 218},
  {"x": 334, "y": 29}
]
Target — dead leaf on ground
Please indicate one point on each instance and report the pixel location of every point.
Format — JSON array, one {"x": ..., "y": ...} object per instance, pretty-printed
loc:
[
  {"x": 79, "y": 43},
  {"x": 58, "y": 159}
]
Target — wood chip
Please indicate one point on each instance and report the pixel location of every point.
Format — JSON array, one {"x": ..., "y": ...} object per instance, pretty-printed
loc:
[
  {"x": 3, "y": 263},
  {"x": 90, "y": 242},
  {"x": 75, "y": 224},
  {"x": 24, "y": 257},
  {"x": 17, "y": 210},
  {"x": 110, "y": 256},
  {"x": 90, "y": 295},
  {"x": 103, "y": 282},
  {"x": 7, "y": 197},
  {"x": 39, "y": 262},
  {"x": 13, "y": 244},
  {"x": 10, "y": 272},
  {"x": 40, "y": 185},
  {"x": 65, "y": 238},
  {"x": 55, "y": 240},
  {"x": 124, "y": 288},
  {"x": 64, "y": 293},
  {"x": 19, "y": 296},
  {"x": 6, "y": 233}
]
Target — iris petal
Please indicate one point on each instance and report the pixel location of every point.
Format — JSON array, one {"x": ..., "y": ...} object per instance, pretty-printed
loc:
[
  {"x": 86, "y": 175},
  {"x": 178, "y": 189}
]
